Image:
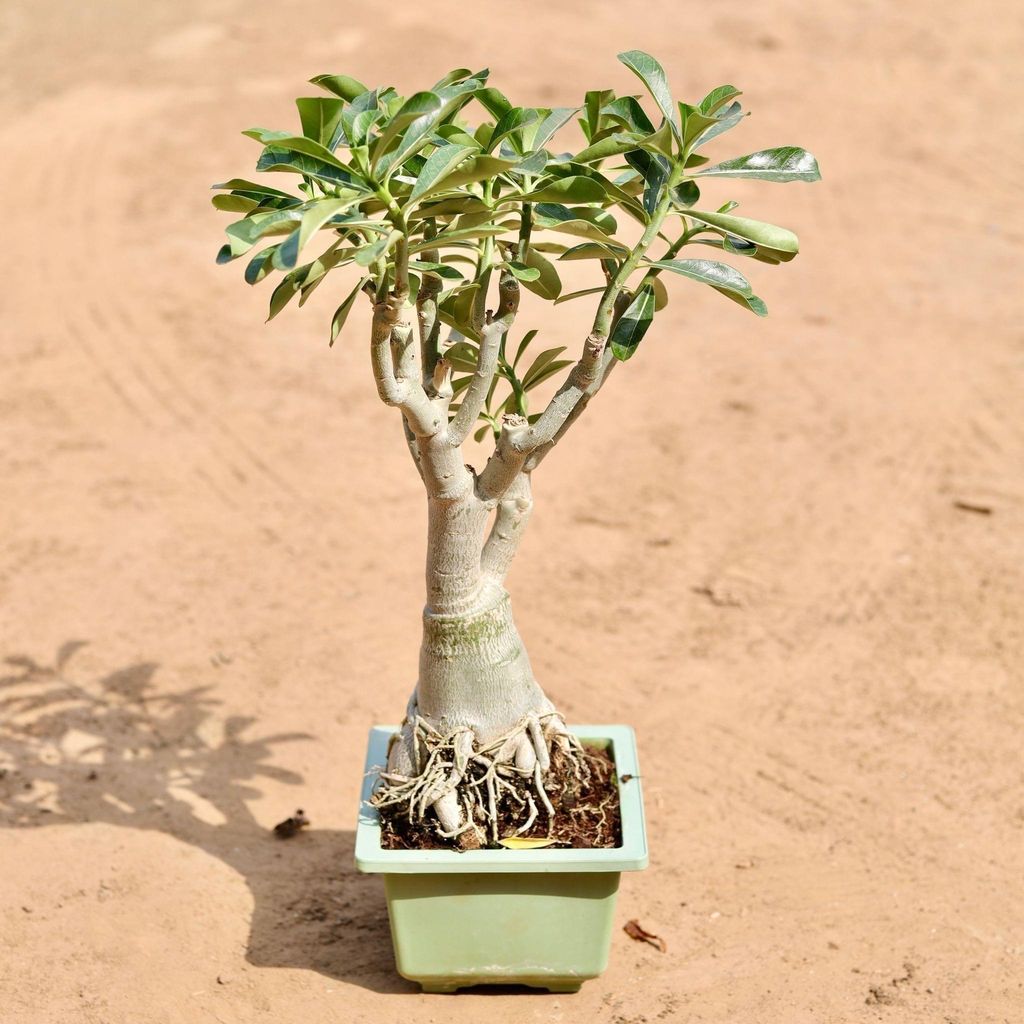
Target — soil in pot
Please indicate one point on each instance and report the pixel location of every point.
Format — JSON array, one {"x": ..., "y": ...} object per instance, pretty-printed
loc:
[{"x": 585, "y": 803}]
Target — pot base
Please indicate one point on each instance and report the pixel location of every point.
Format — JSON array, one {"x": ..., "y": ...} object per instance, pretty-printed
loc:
[{"x": 545, "y": 930}]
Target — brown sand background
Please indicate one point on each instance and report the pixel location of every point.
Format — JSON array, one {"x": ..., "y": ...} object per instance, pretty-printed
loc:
[{"x": 820, "y": 652}]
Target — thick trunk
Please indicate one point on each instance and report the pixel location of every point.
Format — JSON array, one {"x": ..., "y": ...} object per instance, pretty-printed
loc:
[{"x": 474, "y": 670}]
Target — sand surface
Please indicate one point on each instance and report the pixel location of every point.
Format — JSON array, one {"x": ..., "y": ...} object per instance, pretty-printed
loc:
[{"x": 211, "y": 534}]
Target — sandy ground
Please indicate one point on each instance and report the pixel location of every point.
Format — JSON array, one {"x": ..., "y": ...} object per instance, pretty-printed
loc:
[{"x": 820, "y": 651}]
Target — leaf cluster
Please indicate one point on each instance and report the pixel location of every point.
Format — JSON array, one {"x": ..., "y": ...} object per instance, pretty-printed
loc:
[{"x": 454, "y": 183}]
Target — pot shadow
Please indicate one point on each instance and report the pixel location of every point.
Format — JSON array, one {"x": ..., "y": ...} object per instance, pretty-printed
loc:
[{"x": 122, "y": 751}]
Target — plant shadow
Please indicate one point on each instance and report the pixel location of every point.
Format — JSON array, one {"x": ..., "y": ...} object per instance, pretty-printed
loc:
[{"x": 120, "y": 750}]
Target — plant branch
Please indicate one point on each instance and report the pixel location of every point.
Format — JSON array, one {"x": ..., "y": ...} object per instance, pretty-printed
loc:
[
  {"x": 518, "y": 440},
  {"x": 608, "y": 363},
  {"x": 603, "y": 317},
  {"x": 492, "y": 333},
  {"x": 401, "y": 391},
  {"x": 510, "y": 519},
  {"x": 414, "y": 450},
  {"x": 426, "y": 316},
  {"x": 525, "y": 230}
]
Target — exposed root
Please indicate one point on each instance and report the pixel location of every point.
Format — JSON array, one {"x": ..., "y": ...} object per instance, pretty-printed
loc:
[{"x": 536, "y": 779}]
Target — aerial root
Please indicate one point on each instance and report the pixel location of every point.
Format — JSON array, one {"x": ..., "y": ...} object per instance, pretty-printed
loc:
[{"x": 480, "y": 795}]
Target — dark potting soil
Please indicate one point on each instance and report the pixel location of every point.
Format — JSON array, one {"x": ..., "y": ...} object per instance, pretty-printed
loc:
[{"x": 587, "y": 814}]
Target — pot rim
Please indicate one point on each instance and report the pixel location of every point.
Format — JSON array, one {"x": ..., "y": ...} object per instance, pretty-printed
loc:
[{"x": 630, "y": 856}]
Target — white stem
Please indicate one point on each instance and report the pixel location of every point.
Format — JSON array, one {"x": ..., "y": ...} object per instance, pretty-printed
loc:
[
  {"x": 518, "y": 441},
  {"x": 510, "y": 519},
  {"x": 490, "y": 346},
  {"x": 608, "y": 363},
  {"x": 474, "y": 670},
  {"x": 393, "y": 384}
]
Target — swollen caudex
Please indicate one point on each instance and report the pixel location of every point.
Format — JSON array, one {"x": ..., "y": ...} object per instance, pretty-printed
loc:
[{"x": 463, "y": 791}]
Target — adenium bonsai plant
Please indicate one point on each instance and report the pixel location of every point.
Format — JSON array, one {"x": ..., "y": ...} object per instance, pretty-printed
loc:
[{"x": 440, "y": 221}]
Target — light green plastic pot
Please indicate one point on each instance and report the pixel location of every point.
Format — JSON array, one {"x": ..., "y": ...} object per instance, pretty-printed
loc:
[{"x": 499, "y": 917}]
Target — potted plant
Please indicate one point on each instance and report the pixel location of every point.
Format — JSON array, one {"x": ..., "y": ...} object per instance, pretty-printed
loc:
[{"x": 442, "y": 222}]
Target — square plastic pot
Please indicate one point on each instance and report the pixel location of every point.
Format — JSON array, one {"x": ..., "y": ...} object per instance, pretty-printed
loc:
[{"x": 498, "y": 917}]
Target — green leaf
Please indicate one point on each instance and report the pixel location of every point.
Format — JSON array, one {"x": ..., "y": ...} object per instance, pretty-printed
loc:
[
  {"x": 594, "y": 103},
  {"x": 568, "y": 297},
  {"x": 420, "y": 108},
  {"x": 727, "y": 119},
  {"x": 509, "y": 127},
  {"x": 524, "y": 345},
  {"x": 739, "y": 247},
  {"x": 457, "y": 94},
  {"x": 320, "y": 117},
  {"x": 342, "y": 312},
  {"x": 652, "y": 74},
  {"x": 437, "y": 269},
  {"x": 233, "y": 203},
  {"x": 540, "y": 364},
  {"x": 549, "y": 371},
  {"x": 463, "y": 356},
  {"x": 457, "y": 203},
  {"x": 369, "y": 254},
  {"x": 686, "y": 193},
  {"x": 522, "y": 272},
  {"x": 442, "y": 161},
  {"x": 357, "y": 127},
  {"x": 784, "y": 163},
  {"x": 554, "y": 120},
  {"x": 548, "y": 285},
  {"x": 718, "y": 98},
  {"x": 312, "y": 220},
  {"x": 556, "y": 248},
  {"x": 655, "y": 171},
  {"x": 314, "y": 217},
  {"x": 660, "y": 142},
  {"x": 297, "y": 144},
  {"x": 534, "y": 164},
  {"x": 244, "y": 234},
  {"x": 241, "y": 185},
  {"x": 710, "y": 272},
  {"x": 456, "y": 310},
  {"x": 358, "y": 118},
  {"x": 633, "y": 324},
  {"x": 783, "y": 241},
  {"x": 751, "y": 302},
  {"x": 454, "y": 76},
  {"x": 626, "y": 110},
  {"x": 694, "y": 122},
  {"x": 478, "y": 169},
  {"x": 274, "y": 158},
  {"x": 595, "y": 251},
  {"x": 583, "y": 221},
  {"x": 313, "y": 274},
  {"x": 660, "y": 294},
  {"x": 574, "y": 189},
  {"x": 494, "y": 102},
  {"x": 457, "y": 135},
  {"x": 282, "y": 295},
  {"x": 260, "y": 265},
  {"x": 340, "y": 85},
  {"x": 460, "y": 235},
  {"x": 611, "y": 145}
]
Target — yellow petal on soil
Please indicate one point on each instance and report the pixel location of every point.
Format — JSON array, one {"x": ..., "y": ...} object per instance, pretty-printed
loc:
[{"x": 519, "y": 843}]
